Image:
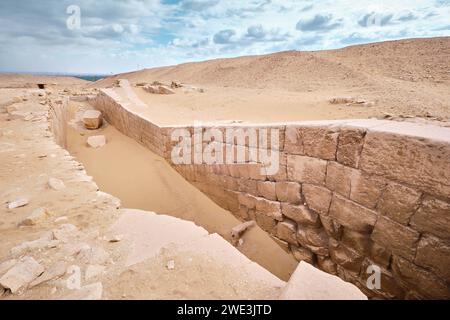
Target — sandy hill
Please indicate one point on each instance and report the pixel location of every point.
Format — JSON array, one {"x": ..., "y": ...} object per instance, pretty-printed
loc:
[
  {"x": 409, "y": 77},
  {"x": 12, "y": 80}
]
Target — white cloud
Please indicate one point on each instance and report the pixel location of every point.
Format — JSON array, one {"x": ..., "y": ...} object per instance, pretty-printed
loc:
[{"x": 117, "y": 36}]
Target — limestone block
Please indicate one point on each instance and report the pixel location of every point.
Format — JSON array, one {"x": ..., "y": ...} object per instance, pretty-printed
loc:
[
  {"x": 350, "y": 145},
  {"x": 397, "y": 238},
  {"x": 309, "y": 283},
  {"x": 158, "y": 89},
  {"x": 379, "y": 254},
  {"x": 306, "y": 169},
  {"x": 339, "y": 178},
  {"x": 269, "y": 208},
  {"x": 96, "y": 141},
  {"x": 360, "y": 242},
  {"x": 434, "y": 253},
  {"x": 433, "y": 216},
  {"x": 38, "y": 215},
  {"x": 300, "y": 213},
  {"x": 288, "y": 192},
  {"x": 406, "y": 158},
  {"x": 399, "y": 202},
  {"x": 286, "y": 231},
  {"x": 352, "y": 215},
  {"x": 90, "y": 292},
  {"x": 331, "y": 226},
  {"x": 92, "y": 119},
  {"x": 266, "y": 189},
  {"x": 317, "y": 198},
  {"x": 55, "y": 271},
  {"x": 346, "y": 257},
  {"x": 19, "y": 276},
  {"x": 366, "y": 190},
  {"x": 320, "y": 142},
  {"x": 309, "y": 236},
  {"x": 420, "y": 280},
  {"x": 326, "y": 264},
  {"x": 247, "y": 200},
  {"x": 293, "y": 141},
  {"x": 302, "y": 254},
  {"x": 266, "y": 223}
]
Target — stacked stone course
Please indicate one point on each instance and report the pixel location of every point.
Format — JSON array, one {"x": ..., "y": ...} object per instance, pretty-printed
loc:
[{"x": 349, "y": 194}]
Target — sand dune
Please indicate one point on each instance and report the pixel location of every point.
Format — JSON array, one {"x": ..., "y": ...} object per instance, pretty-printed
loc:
[{"x": 407, "y": 77}]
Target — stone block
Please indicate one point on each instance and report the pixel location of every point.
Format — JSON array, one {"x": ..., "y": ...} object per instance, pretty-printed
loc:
[
  {"x": 360, "y": 242},
  {"x": 266, "y": 189},
  {"x": 326, "y": 264},
  {"x": 352, "y": 215},
  {"x": 339, "y": 178},
  {"x": 288, "y": 192},
  {"x": 350, "y": 145},
  {"x": 92, "y": 119},
  {"x": 269, "y": 208},
  {"x": 306, "y": 169},
  {"x": 345, "y": 257},
  {"x": 293, "y": 143},
  {"x": 301, "y": 214},
  {"x": 332, "y": 227},
  {"x": 397, "y": 238},
  {"x": 434, "y": 253},
  {"x": 399, "y": 202},
  {"x": 317, "y": 198},
  {"x": 286, "y": 230},
  {"x": 366, "y": 190},
  {"x": 433, "y": 216},
  {"x": 302, "y": 254},
  {"x": 320, "y": 142},
  {"x": 420, "y": 280}
]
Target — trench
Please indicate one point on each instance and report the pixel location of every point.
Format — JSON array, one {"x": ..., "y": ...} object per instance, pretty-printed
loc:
[{"x": 144, "y": 180}]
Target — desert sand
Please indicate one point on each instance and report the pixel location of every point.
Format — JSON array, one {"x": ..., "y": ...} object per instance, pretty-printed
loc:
[{"x": 406, "y": 78}]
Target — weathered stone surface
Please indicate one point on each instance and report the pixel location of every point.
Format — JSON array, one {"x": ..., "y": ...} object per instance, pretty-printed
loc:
[
  {"x": 288, "y": 192},
  {"x": 90, "y": 292},
  {"x": 332, "y": 228},
  {"x": 424, "y": 282},
  {"x": 38, "y": 215},
  {"x": 317, "y": 198},
  {"x": 385, "y": 153},
  {"x": 320, "y": 142},
  {"x": 326, "y": 264},
  {"x": 306, "y": 169},
  {"x": 434, "y": 253},
  {"x": 380, "y": 255},
  {"x": 399, "y": 202},
  {"x": 339, "y": 178},
  {"x": 269, "y": 208},
  {"x": 352, "y": 215},
  {"x": 266, "y": 189},
  {"x": 302, "y": 254},
  {"x": 92, "y": 119},
  {"x": 96, "y": 141},
  {"x": 6, "y": 265},
  {"x": 350, "y": 145},
  {"x": 397, "y": 238},
  {"x": 433, "y": 216},
  {"x": 55, "y": 271},
  {"x": 56, "y": 184},
  {"x": 283, "y": 244},
  {"x": 309, "y": 283},
  {"x": 301, "y": 214},
  {"x": 309, "y": 236},
  {"x": 21, "y": 202},
  {"x": 345, "y": 257},
  {"x": 247, "y": 200},
  {"x": 389, "y": 288},
  {"x": 94, "y": 255},
  {"x": 46, "y": 241},
  {"x": 360, "y": 242},
  {"x": 286, "y": 230},
  {"x": 266, "y": 223},
  {"x": 366, "y": 190},
  {"x": 293, "y": 142},
  {"x": 19, "y": 276},
  {"x": 93, "y": 271},
  {"x": 64, "y": 232}
]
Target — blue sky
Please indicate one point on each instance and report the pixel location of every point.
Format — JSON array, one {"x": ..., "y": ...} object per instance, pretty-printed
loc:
[{"x": 119, "y": 36}]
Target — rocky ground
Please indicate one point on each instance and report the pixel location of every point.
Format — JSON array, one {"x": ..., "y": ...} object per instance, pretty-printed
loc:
[{"x": 61, "y": 238}]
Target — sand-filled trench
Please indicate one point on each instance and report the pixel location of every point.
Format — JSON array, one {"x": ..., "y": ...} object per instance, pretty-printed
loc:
[{"x": 143, "y": 180}]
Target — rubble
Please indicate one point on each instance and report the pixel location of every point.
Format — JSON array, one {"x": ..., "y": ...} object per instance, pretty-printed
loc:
[
  {"x": 96, "y": 141},
  {"x": 21, "y": 202},
  {"x": 20, "y": 276},
  {"x": 35, "y": 217}
]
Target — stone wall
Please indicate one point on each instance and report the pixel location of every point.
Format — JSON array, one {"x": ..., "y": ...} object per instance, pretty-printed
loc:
[
  {"x": 58, "y": 119},
  {"x": 349, "y": 194}
]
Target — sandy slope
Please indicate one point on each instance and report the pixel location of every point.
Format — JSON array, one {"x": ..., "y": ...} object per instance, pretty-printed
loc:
[{"x": 407, "y": 77}]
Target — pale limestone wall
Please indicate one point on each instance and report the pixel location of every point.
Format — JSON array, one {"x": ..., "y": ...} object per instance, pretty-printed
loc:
[
  {"x": 58, "y": 119},
  {"x": 348, "y": 194}
]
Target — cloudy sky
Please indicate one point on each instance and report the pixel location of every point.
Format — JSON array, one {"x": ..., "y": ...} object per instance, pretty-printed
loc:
[{"x": 113, "y": 36}]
